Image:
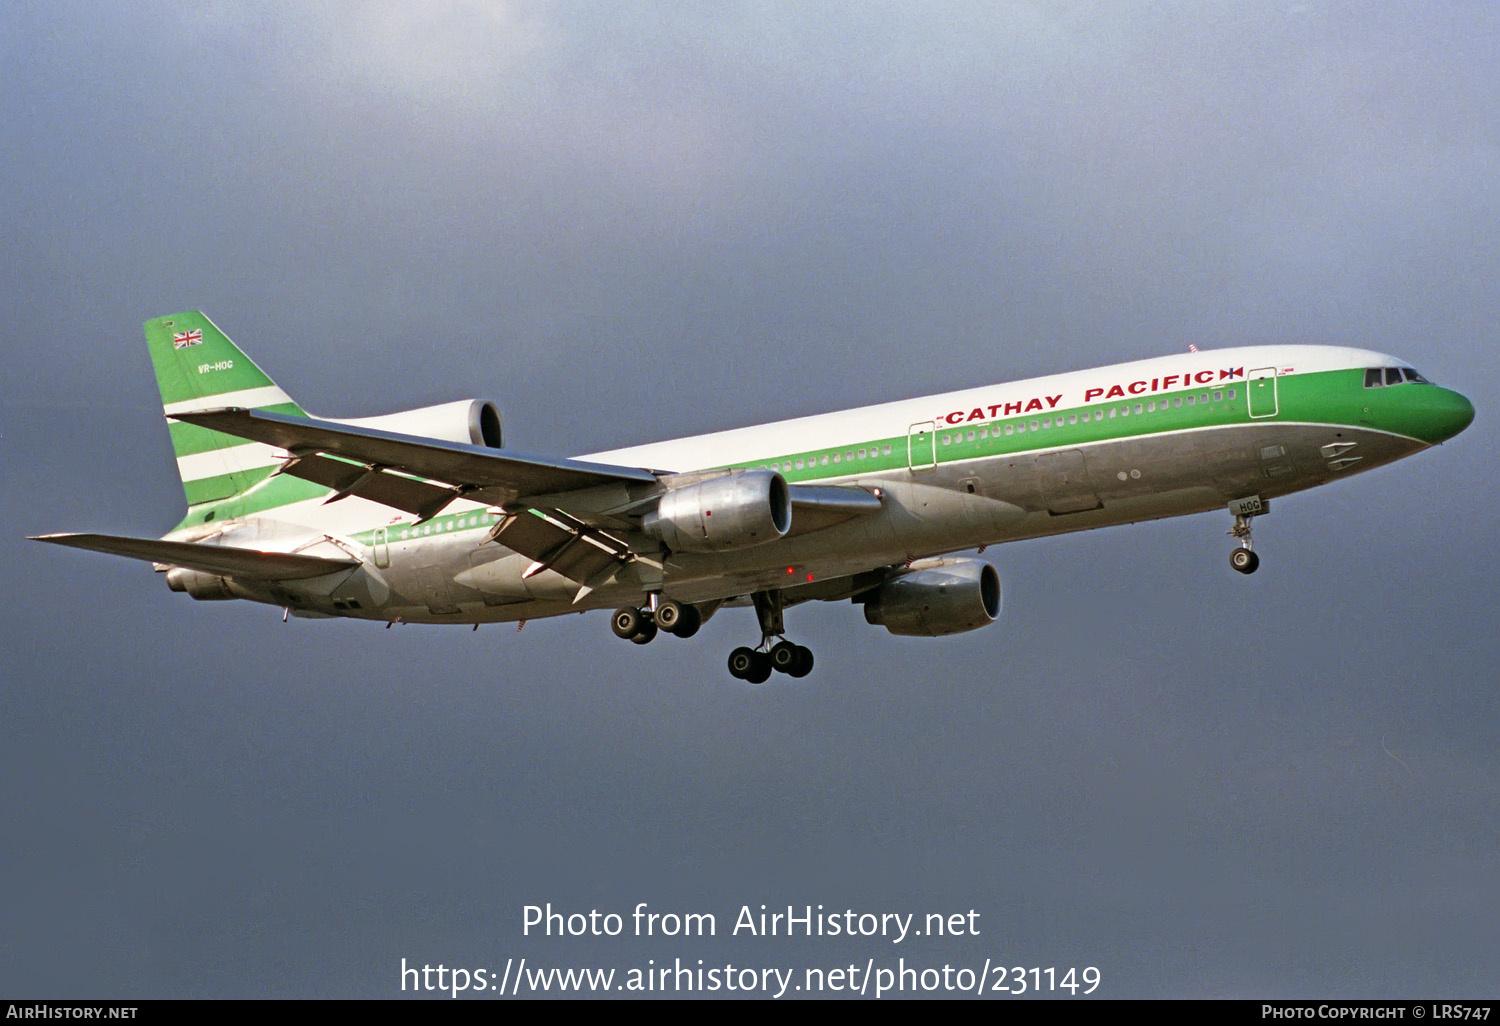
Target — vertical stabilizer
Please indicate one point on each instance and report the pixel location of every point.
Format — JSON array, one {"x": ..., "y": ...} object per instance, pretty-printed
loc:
[{"x": 199, "y": 368}]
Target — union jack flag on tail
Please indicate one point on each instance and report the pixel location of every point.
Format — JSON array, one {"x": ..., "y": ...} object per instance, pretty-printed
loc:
[{"x": 183, "y": 339}]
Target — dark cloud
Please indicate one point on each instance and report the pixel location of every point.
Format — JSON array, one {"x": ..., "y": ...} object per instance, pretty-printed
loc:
[{"x": 626, "y": 226}]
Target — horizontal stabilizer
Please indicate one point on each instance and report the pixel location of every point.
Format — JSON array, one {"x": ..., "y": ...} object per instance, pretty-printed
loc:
[
  {"x": 495, "y": 476},
  {"x": 214, "y": 559}
]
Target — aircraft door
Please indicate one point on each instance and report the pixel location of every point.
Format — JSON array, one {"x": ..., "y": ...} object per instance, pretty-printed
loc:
[
  {"x": 382, "y": 547},
  {"x": 921, "y": 446},
  {"x": 1064, "y": 481},
  {"x": 1261, "y": 384}
]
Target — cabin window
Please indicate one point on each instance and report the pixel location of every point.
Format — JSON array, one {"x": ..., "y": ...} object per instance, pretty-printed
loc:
[
  {"x": 1072, "y": 418},
  {"x": 1189, "y": 400},
  {"x": 971, "y": 436},
  {"x": 835, "y": 457},
  {"x": 1412, "y": 375},
  {"x": 1203, "y": 398},
  {"x": 1218, "y": 397},
  {"x": 1177, "y": 402},
  {"x": 888, "y": 450},
  {"x": 1138, "y": 407},
  {"x": 1010, "y": 429},
  {"x": 946, "y": 439},
  {"x": 800, "y": 464},
  {"x": 1393, "y": 375}
]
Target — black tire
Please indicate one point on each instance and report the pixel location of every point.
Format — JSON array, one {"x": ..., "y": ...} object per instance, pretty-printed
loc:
[
  {"x": 804, "y": 662},
  {"x": 689, "y": 622},
  {"x": 1244, "y": 560},
  {"x": 668, "y": 615},
  {"x": 761, "y": 671},
  {"x": 646, "y": 633},
  {"x": 741, "y": 661},
  {"x": 784, "y": 657},
  {"x": 626, "y": 622}
]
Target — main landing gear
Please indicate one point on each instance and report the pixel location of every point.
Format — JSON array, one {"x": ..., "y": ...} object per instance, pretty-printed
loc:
[
  {"x": 756, "y": 664},
  {"x": 1244, "y": 558},
  {"x": 641, "y": 625},
  {"x": 774, "y": 654}
]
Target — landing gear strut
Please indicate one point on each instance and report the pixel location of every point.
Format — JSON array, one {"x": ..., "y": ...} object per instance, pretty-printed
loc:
[
  {"x": 755, "y": 664},
  {"x": 1244, "y": 558}
]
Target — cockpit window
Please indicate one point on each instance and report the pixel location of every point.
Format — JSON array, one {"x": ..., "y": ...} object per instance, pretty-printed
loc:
[{"x": 1378, "y": 377}]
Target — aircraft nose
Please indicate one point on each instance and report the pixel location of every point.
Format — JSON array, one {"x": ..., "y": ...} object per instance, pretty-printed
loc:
[{"x": 1444, "y": 414}]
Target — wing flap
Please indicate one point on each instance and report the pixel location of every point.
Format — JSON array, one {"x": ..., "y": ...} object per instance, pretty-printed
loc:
[
  {"x": 558, "y": 542},
  {"x": 214, "y": 559},
  {"x": 420, "y": 498}
]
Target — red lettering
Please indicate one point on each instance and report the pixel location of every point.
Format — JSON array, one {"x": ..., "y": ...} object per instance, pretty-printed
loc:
[
  {"x": 955, "y": 418},
  {"x": 978, "y": 414},
  {"x": 1033, "y": 405},
  {"x": 1137, "y": 387},
  {"x": 1169, "y": 381},
  {"x": 1090, "y": 394},
  {"x": 1203, "y": 377},
  {"x": 1053, "y": 400},
  {"x": 995, "y": 410},
  {"x": 1236, "y": 372},
  {"x": 1115, "y": 392},
  {"x": 1014, "y": 407}
]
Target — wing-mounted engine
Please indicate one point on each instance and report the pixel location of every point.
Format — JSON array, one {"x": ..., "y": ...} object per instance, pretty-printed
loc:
[
  {"x": 937, "y": 597},
  {"x": 473, "y": 421},
  {"x": 731, "y": 511}
]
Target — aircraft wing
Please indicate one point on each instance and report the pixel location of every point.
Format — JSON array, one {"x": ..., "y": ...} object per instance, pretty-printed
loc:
[
  {"x": 385, "y": 467},
  {"x": 214, "y": 559}
]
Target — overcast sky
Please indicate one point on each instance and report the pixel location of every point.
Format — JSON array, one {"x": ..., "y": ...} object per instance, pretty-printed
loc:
[{"x": 627, "y": 222}]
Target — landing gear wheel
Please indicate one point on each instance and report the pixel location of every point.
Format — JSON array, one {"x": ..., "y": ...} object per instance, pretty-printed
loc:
[
  {"x": 1244, "y": 560},
  {"x": 741, "y": 660},
  {"x": 785, "y": 656},
  {"x": 667, "y": 615},
  {"x": 804, "y": 663},
  {"x": 676, "y": 618},
  {"x": 646, "y": 633},
  {"x": 761, "y": 671},
  {"x": 627, "y": 622},
  {"x": 748, "y": 664}
]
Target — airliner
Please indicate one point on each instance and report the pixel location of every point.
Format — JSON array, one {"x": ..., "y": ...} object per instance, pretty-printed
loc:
[{"x": 425, "y": 516}]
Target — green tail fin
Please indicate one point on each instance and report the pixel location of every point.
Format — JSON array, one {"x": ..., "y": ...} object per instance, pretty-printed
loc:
[{"x": 198, "y": 368}]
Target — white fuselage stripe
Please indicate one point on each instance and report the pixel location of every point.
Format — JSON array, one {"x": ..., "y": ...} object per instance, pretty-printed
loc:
[{"x": 250, "y": 456}]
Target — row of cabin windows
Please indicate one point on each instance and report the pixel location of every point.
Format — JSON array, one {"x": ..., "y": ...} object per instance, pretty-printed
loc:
[
  {"x": 801, "y": 463},
  {"x": 1152, "y": 406},
  {"x": 422, "y": 530},
  {"x": 1378, "y": 377}
]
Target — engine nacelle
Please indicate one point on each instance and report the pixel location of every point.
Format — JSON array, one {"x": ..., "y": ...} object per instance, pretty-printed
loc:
[
  {"x": 474, "y": 421},
  {"x": 734, "y": 511},
  {"x": 937, "y": 597}
]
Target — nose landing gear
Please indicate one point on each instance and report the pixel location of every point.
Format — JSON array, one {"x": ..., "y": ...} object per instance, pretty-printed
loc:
[{"x": 1244, "y": 558}]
